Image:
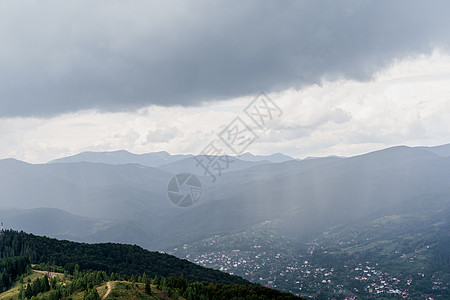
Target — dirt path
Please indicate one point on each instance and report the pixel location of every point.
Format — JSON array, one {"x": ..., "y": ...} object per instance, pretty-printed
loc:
[
  {"x": 50, "y": 274},
  {"x": 108, "y": 284}
]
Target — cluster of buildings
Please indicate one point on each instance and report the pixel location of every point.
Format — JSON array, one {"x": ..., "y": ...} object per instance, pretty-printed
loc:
[{"x": 273, "y": 262}]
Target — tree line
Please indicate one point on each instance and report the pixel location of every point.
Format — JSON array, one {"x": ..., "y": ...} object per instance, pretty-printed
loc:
[{"x": 108, "y": 257}]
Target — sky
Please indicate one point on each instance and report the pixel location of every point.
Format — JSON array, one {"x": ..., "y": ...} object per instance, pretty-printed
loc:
[{"x": 349, "y": 76}]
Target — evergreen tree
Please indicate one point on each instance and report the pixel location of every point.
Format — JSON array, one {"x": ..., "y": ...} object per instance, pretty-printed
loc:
[
  {"x": 91, "y": 294},
  {"x": 45, "y": 285},
  {"x": 148, "y": 288},
  {"x": 28, "y": 291}
]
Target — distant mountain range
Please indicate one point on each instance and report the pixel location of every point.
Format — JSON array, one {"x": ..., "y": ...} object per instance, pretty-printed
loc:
[
  {"x": 172, "y": 163},
  {"x": 122, "y": 157},
  {"x": 443, "y": 150},
  {"x": 154, "y": 159},
  {"x": 118, "y": 197}
]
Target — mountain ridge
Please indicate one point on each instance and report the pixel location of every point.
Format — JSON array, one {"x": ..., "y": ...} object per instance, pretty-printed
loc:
[{"x": 308, "y": 194}]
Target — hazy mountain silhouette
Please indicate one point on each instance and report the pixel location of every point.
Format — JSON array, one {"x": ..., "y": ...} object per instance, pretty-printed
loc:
[
  {"x": 121, "y": 157},
  {"x": 128, "y": 202}
]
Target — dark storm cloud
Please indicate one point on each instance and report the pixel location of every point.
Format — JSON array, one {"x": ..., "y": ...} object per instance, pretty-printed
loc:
[{"x": 60, "y": 56}]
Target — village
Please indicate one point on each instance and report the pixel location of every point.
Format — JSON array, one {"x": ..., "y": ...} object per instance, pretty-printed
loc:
[{"x": 272, "y": 262}]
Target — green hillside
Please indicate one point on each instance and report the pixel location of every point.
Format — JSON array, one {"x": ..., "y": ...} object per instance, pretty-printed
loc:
[
  {"x": 108, "y": 257},
  {"x": 69, "y": 270}
]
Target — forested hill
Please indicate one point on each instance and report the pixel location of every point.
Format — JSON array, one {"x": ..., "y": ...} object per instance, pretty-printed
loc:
[{"x": 109, "y": 257}]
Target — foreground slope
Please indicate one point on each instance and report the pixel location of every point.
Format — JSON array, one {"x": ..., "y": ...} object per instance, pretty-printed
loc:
[
  {"x": 111, "y": 258},
  {"x": 69, "y": 270}
]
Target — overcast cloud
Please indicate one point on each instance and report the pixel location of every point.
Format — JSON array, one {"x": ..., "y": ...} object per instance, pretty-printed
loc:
[
  {"x": 407, "y": 103},
  {"x": 65, "y": 56}
]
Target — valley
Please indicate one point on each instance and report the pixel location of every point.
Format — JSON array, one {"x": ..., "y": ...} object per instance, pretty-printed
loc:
[{"x": 374, "y": 224}]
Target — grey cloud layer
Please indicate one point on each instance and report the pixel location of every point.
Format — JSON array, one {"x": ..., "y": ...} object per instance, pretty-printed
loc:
[{"x": 60, "y": 56}]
